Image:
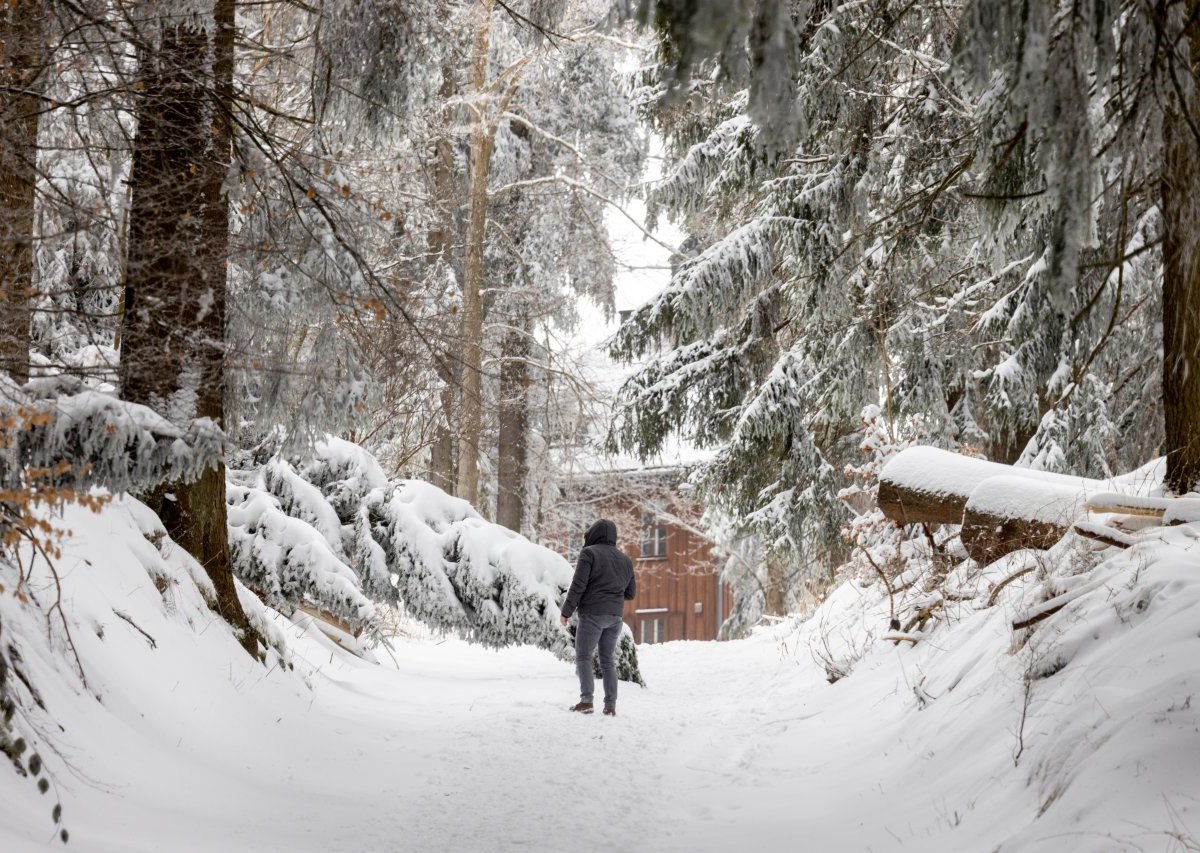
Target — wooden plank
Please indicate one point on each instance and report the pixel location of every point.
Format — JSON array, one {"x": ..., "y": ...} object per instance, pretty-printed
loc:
[
  {"x": 323, "y": 616},
  {"x": 1116, "y": 508}
]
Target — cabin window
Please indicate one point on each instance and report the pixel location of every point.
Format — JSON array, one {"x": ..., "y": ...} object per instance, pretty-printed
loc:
[
  {"x": 654, "y": 532},
  {"x": 653, "y": 630}
]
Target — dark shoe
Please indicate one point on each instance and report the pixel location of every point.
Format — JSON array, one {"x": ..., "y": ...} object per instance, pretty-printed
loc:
[
  {"x": 610, "y": 712},
  {"x": 582, "y": 707}
]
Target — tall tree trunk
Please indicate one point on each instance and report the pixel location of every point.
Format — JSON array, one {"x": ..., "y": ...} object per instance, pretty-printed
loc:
[
  {"x": 173, "y": 342},
  {"x": 23, "y": 56},
  {"x": 1181, "y": 256},
  {"x": 513, "y": 464},
  {"x": 471, "y": 389},
  {"x": 441, "y": 246}
]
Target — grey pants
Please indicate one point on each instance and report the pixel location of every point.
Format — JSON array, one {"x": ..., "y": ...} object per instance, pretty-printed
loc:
[{"x": 605, "y": 630}]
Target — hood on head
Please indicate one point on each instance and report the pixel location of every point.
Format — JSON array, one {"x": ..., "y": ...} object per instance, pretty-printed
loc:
[{"x": 603, "y": 532}]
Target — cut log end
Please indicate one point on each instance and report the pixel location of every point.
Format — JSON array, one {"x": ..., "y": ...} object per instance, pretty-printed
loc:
[{"x": 988, "y": 537}]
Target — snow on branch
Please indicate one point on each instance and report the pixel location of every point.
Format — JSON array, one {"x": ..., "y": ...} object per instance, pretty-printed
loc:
[
  {"x": 335, "y": 534},
  {"x": 84, "y": 438}
]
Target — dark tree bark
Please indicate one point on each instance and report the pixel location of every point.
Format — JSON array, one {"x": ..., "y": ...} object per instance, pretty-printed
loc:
[
  {"x": 906, "y": 505},
  {"x": 173, "y": 352},
  {"x": 23, "y": 55},
  {"x": 1181, "y": 258},
  {"x": 987, "y": 537},
  {"x": 513, "y": 463},
  {"x": 776, "y": 588}
]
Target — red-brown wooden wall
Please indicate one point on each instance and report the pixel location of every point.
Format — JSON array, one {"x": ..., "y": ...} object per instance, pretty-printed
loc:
[{"x": 687, "y": 576}]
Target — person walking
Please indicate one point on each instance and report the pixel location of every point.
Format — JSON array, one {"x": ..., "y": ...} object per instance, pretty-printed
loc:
[{"x": 603, "y": 582}]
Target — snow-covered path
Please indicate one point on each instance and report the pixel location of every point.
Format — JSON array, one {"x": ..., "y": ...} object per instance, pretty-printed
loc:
[
  {"x": 457, "y": 748},
  {"x": 743, "y": 745},
  {"x": 466, "y": 749}
]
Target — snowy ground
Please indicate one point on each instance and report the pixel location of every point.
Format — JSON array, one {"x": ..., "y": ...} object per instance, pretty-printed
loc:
[{"x": 737, "y": 745}]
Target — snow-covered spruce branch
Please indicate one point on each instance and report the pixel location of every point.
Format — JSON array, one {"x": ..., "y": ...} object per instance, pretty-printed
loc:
[{"x": 111, "y": 443}]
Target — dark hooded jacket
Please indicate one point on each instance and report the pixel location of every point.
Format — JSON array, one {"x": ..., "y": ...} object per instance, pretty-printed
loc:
[{"x": 603, "y": 579}]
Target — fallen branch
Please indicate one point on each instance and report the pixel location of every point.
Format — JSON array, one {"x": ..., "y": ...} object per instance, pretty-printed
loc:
[
  {"x": 887, "y": 585},
  {"x": 922, "y": 616},
  {"x": 1048, "y": 608},
  {"x": 1034, "y": 617},
  {"x": 1000, "y": 586},
  {"x": 136, "y": 627}
]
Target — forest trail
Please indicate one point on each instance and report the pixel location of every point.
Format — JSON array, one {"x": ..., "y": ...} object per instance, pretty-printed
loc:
[
  {"x": 457, "y": 748},
  {"x": 452, "y": 747}
]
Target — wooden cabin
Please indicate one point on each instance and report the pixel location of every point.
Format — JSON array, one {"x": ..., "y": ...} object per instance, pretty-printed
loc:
[{"x": 680, "y": 594}]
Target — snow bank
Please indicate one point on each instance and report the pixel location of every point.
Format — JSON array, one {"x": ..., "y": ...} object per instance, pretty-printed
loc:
[
  {"x": 1074, "y": 733},
  {"x": 117, "y": 656}
]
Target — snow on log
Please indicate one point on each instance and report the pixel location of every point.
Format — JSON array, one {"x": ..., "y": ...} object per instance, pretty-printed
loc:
[
  {"x": 1008, "y": 513},
  {"x": 925, "y": 484}
]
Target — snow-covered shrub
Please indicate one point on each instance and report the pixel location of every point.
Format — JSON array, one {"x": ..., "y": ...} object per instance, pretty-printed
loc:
[
  {"x": 333, "y": 533},
  {"x": 877, "y": 543},
  {"x": 25, "y": 761},
  {"x": 62, "y": 443},
  {"x": 288, "y": 560}
]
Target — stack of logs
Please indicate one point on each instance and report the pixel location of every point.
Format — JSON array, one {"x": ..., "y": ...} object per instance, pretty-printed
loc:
[{"x": 1004, "y": 509}]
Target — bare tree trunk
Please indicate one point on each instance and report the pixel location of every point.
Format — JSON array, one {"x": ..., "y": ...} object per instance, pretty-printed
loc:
[
  {"x": 22, "y": 61},
  {"x": 441, "y": 244},
  {"x": 441, "y": 455},
  {"x": 482, "y": 140},
  {"x": 173, "y": 342},
  {"x": 513, "y": 464},
  {"x": 1181, "y": 259}
]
